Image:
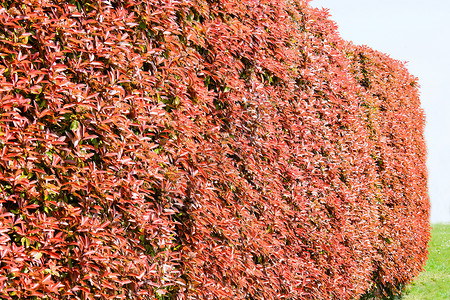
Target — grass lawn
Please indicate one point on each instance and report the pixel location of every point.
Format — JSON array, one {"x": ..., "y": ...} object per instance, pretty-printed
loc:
[{"x": 434, "y": 282}]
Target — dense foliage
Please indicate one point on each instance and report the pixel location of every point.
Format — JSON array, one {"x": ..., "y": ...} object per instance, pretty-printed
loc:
[
  {"x": 396, "y": 125},
  {"x": 202, "y": 149}
]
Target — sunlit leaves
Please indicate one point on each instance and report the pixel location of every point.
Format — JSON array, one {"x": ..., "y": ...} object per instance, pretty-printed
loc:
[
  {"x": 202, "y": 150},
  {"x": 393, "y": 114}
]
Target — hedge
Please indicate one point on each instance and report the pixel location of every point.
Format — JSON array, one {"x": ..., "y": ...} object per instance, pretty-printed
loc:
[
  {"x": 396, "y": 125},
  {"x": 202, "y": 149}
]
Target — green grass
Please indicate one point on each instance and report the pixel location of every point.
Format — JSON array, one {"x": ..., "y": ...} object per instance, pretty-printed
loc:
[{"x": 434, "y": 282}]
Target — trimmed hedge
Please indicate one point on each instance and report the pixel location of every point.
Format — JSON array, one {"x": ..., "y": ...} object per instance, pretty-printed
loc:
[
  {"x": 203, "y": 150},
  {"x": 396, "y": 125}
]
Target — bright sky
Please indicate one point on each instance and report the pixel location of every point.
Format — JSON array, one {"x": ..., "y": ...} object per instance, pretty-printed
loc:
[{"x": 415, "y": 31}]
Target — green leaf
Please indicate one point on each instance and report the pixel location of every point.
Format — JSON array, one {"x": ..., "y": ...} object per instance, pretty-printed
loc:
[
  {"x": 74, "y": 125},
  {"x": 25, "y": 242},
  {"x": 37, "y": 255}
]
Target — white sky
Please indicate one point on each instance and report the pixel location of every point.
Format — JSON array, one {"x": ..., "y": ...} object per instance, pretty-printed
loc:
[{"x": 416, "y": 31}]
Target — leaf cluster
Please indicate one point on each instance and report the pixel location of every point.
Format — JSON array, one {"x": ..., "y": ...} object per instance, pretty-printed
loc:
[{"x": 200, "y": 149}]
